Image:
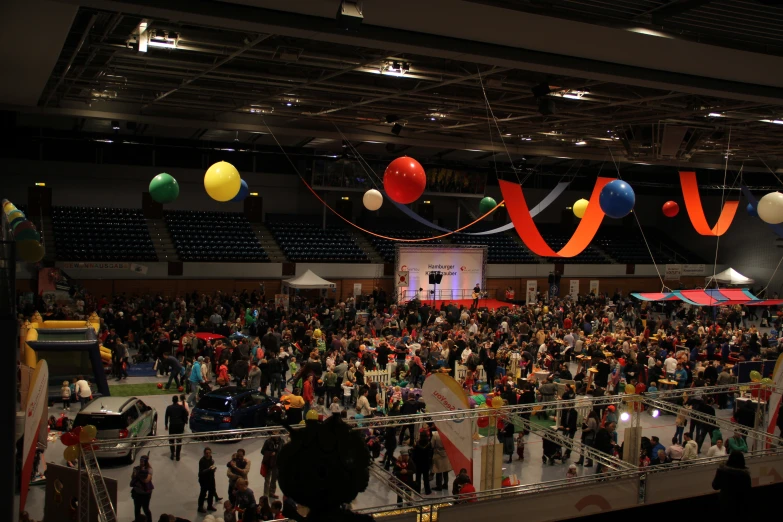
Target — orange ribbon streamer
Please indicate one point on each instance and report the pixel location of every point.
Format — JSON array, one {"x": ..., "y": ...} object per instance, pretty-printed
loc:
[
  {"x": 528, "y": 232},
  {"x": 690, "y": 193}
]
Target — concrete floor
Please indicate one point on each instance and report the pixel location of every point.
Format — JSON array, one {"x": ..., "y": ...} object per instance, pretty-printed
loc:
[{"x": 176, "y": 484}]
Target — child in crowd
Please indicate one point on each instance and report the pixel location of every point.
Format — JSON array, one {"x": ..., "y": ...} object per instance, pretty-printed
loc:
[
  {"x": 347, "y": 393},
  {"x": 571, "y": 473},
  {"x": 277, "y": 510},
  {"x": 229, "y": 514},
  {"x": 74, "y": 398},
  {"x": 320, "y": 407},
  {"x": 65, "y": 395},
  {"x": 335, "y": 406}
]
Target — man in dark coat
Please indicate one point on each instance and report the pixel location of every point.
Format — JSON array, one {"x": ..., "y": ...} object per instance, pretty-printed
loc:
[
  {"x": 175, "y": 421},
  {"x": 206, "y": 481}
]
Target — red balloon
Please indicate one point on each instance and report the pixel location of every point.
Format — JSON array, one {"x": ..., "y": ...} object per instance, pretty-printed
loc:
[
  {"x": 160, "y": 385},
  {"x": 404, "y": 180},
  {"x": 69, "y": 439},
  {"x": 671, "y": 209}
]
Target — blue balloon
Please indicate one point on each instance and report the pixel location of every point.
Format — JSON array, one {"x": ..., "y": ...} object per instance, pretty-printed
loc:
[
  {"x": 617, "y": 199},
  {"x": 752, "y": 210},
  {"x": 243, "y": 191}
]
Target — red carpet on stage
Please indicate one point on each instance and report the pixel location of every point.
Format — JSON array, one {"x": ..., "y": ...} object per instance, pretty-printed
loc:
[{"x": 492, "y": 304}]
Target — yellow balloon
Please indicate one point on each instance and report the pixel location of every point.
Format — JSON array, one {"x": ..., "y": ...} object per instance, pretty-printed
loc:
[
  {"x": 71, "y": 453},
  {"x": 88, "y": 433},
  {"x": 497, "y": 402},
  {"x": 317, "y": 333},
  {"x": 580, "y": 207},
  {"x": 311, "y": 415},
  {"x": 629, "y": 389},
  {"x": 9, "y": 207},
  {"x": 222, "y": 181},
  {"x": 30, "y": 250},
  {"x": 546, "y": 309},
  {"x": 302, "y": 421}
]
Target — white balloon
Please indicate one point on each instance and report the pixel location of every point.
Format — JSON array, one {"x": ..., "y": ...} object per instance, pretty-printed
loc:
[
  {"x": 372, "y": 199},
  {"x": 770, "y": 208}
]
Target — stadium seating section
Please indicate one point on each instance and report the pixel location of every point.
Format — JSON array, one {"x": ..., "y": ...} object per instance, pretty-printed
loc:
[
  {"x": 214, "y": 237},
  {"x": 503, "y": 249},
  {"x": 630, "y": 247},
  {"x": 385, "y": 247},
  {"x": 557, "y": 239},
  {"x": 304, "y": 240},
  {"x": 101, "y": 234}
]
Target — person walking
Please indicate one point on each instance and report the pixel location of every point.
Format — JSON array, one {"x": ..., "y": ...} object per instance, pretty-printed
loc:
[
  {"x": 404, "y": 470},
  {"x": 440, "y": 462},
  {"x": 141, "y": 488},
  {"x": 174, "y": 421},
  {"x": 422, "y": 458},
  {"x": 269, "y": 465},
  {"x": 195, "y": 379},
  {"x": 206, "y": 481}
]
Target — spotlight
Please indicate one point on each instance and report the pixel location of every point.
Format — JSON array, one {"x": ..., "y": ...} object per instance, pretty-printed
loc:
[
  {"x": 349, "y": 16},
  {"x": 406, "y": 67},
  {"x": 396, "y": 129},
  {"x": 546, "y": 106},
  {"x": 655, "y": 413},
  {"x": 115, "y": 125},
  {"x": 625, "y": 416}
]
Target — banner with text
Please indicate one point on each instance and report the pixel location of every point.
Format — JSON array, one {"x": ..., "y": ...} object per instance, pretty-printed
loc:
[
  {"x": 594, "y": 287},
  {"x": 573, "y": 289},
  {"x": 531, "y": 292},
  {"x": 462, "y": 269},
  {"x": 673, "y": 272},
  {"x": 442, "y": 393}
]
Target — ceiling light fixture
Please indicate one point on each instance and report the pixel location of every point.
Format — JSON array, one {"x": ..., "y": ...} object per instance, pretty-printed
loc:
[
  {"x": 349, "y": 16},
  {"x": 40, "y": 184},
  {"x": 649, "y": 32},
  {"x": 254, "y": 193},
  {"x": 776, "y": 122},
  {"x": 345, "y": 198},
  {"x": 580, "y": 143},
  {"x": 716, "y": 115}
]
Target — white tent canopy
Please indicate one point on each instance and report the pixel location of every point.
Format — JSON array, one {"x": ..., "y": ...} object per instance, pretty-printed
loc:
[
  {"x": 309, "y": 280},
  {"x": 730, "y": 277}
]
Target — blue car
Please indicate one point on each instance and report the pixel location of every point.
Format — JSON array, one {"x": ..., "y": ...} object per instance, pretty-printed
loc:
[{"x": 232, "y": 408}]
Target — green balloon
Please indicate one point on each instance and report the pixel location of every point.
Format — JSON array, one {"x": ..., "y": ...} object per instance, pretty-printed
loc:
[
  {"x": 17, "y": 221},
  {"x": 164, "y": 188},
  {"x": 486, "y": 205}
]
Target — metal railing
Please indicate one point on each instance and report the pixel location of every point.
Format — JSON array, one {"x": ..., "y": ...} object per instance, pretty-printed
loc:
[{"x": 413, "y": 502}]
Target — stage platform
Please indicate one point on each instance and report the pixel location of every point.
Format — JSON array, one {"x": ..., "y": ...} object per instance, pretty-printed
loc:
[{"x": 492, "y": 304}]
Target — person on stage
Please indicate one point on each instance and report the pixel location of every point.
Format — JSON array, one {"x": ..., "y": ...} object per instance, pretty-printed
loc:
[{"x": 476, "y": 295}]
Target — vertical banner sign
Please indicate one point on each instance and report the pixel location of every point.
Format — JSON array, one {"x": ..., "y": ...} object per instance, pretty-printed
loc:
[
  {"x": 776, "y": 398},
  {"x": 594, "y": 287},
  {"x": 574, "y": 289},
  {"x": 357, "y": 289},
  {"x": 443, "y": 393},
  {"x": 554, "y": 290},
  {"x": 530, "y": 292},
  {"x": 37, "y": 399}
]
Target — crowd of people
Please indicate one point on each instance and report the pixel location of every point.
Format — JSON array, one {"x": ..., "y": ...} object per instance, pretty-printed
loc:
[{"x": 320, "y": 355}]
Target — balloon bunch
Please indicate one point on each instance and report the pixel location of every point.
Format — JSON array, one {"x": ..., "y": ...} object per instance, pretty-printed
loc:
[
  {"x": 27, "y": 238},
  {"x": 74, "y": 439},
  {"x": 223, "y": 183}
]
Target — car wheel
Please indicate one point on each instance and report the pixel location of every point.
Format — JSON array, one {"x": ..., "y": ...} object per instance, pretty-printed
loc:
[{"x": 154, "y": 430}]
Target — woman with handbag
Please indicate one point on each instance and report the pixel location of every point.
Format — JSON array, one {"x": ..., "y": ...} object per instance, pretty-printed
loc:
[
  {"x": 141, "y": 488},
  {"x": 440, "y": 462}
]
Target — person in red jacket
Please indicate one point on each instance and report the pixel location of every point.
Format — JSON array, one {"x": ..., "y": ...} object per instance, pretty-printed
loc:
[{"x": 308, "y": 393}]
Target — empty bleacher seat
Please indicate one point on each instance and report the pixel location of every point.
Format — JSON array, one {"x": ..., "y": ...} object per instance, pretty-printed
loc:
[
  {"x": 101, "y": 234},
  {"x": 303, "y": 239},
  {"x": 214, "y": 237}
]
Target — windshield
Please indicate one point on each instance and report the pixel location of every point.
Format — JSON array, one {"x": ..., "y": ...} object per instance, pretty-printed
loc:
[
  {"x": 101, "y": 421},
  {"x": 214, "y": 403}
]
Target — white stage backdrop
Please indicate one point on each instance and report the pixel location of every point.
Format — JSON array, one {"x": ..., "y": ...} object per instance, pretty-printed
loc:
[{"x": 461, "y": 267}]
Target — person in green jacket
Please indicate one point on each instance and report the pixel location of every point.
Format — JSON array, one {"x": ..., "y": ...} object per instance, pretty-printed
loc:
[
  {"x": 249, "y": 318},
  {"x": 736, "y": 443},
  {"x": 715, "y": 436}
]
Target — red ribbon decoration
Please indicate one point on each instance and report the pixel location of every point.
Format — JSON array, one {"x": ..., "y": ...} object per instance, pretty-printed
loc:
[
  {"x": 690, "y": 193},
  {"x": 528, "y": 232}
]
